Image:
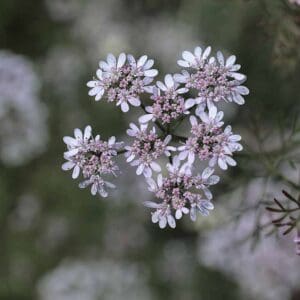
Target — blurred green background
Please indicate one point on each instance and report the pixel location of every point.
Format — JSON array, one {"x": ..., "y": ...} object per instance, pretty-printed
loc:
[{"x": 59, "y": 242}]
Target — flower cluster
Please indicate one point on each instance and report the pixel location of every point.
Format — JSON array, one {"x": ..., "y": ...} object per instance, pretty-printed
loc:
[
  {"x": 168, "y": 104},
  {"x": 122, "y": 80},
  {"x": 94, "y": 157},
  {"x": 156, "y": 146},
  {"x": 214, "y": 79},
  {"x": 146, "y": 149},
  {"x": 177, "y": 193},
  {"x": 208, "y": 141}
]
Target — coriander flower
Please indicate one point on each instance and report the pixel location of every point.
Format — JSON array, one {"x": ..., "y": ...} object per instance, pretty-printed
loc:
[
  {"x": 93, "y": 157},
  {"x": 214, "y": 79},
  {"x": 122, "y": 80},
  {"x": 181, "y": 192},
  {"x": 208, "y": 141},
  {"x": 168, "y": 102},
  {"x": 146, "y": 149}
]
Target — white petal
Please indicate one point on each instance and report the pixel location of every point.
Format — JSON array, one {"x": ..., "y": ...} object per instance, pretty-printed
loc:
[
  {"x": 130, "y": 158},
  {"x": 206, "y": 53},
  {"x": 145, "y": 118},
  {"x": 71, "y": 152},
  {"x": 171, "y": 221},
  {"x": 142, "y": 61},
  {"x": 121, "y": 60},
  {"x": 242, "y": 90},
  {"x": 189, "y": 103},
  {"x": 70, "y": 141},
  {"x": 99, "y": 95},
  {"x": 238, "y": 99},
  {"x": 230, "y": 61},
  {"x": 151, "y": 204},
  {"x": 178, "y": 214},
  {"x": 212, "y": 112},
  {"x": 230, "y": 161},
  {"x": 154, "y": 217},
  {"x": 198, "y": 52},
  {"x": 222, "y": 164},
  {"x": 155, "y": 166},
  {"x": 167, "y": 139},
  {"x": 104, "y": 66},
  {"x": 134, "y": 101},
  {"x": 183, "y": 63},
  {"x": 207, "y": 173},
  {"x": 94, "y": 91},
  {"x": 188, "y": 56},
  {"x": 238, "y": 76},
  {"x": 76, "y": 172},
  {"x": 193, "y": 121},
  {"x": 111, "y": 140},
  {"x": 99, "y": 74},
  {"x": 147, "y": 172},
  {"x": 124, "y": 107},
  {"x": 182, "y": 91},
  {"x": 151, "y": 73},
  {"x": 148, "y": 64},
  {"x": 111, "y": 60},
  {"x": 67, "y": 166},
  {"x": 140, "y": 169},
  {"x": 191, "y": 157},
  {"x": 94, "y": 189},
  {"x": 162, "y": 222},
  {"x": 161, "y": 85},
  {"x": 87, "y": 132},
  {"x": 78, "y": 134},
  {"x": 220, "y": 58},
  {"x": 169, "y": 81}
]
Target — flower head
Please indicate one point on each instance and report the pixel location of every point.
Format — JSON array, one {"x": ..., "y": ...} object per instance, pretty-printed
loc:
[
  {"x": 93, "y": 157},
  {"x": 146, "y": 149},
  {"x": 208, "y": 141},
  {"x": 181, "y": 192},
  {"x": 168, "y": 102},
  {"x": 215, "y": 79},
  {"x": 122, "y": 80}
]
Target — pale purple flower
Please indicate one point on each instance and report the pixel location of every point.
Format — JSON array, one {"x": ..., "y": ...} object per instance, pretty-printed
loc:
[
  {"x": 93, "y": 157},
  {"x": 214, "y": 79},
  {"x": 168, "y": 102},
  {"x": 296, "y": 2},
  {"x": 122, "y": 80},
  {"x": 181, "y": 192},
  {"x": 208, "y": 141},
  {"x": 146, "y": 149}
]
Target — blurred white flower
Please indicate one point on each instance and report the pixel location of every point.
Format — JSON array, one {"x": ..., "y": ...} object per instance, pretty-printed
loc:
[
  {"x": 23, "y": 132},
  {"x": 62, "y": 69},
  {"x": 297, "y": 2},
  {"x": 63, "y": 10},
  {"x": 269, "y": 271},
  {"x": 94, "y": 280}
]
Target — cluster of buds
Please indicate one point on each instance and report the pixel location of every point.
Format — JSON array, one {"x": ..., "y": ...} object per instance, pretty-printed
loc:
[{"x": 169, "y": 161}]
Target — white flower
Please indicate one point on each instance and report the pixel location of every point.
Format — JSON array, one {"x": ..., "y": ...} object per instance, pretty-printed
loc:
[
  {"x": 196, "y": 59},
  {"x": 98, "y": 185},
  {"x": 94, "y": 157},
  {"x": 223, "y": 157},
  {"x": 168, "y": 103},
  {"x": 146, "y": 149},
  {"x": 123, "y": 80},
  {"x": 215, "y": 79},
  {"x": 202, "y": 206},
  {"x": 162, "y": 215}
]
